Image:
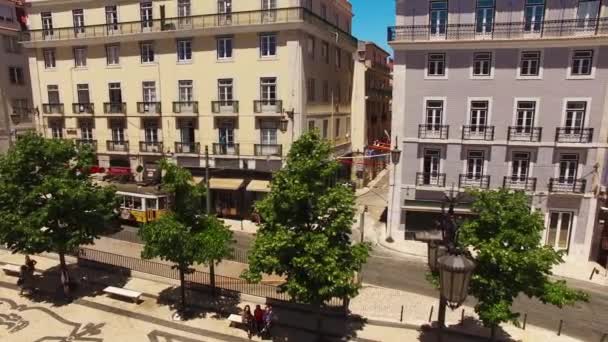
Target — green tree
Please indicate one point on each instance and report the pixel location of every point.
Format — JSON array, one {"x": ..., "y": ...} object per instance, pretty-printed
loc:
[
  {"x": 504, "y": 238},
  {"x": 47, "y": 201},
  {"x": 186, "y": 236},
  {"x": 305, "y": 231}
]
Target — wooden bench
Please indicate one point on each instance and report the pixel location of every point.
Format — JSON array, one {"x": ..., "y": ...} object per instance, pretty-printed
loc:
[
  {"x": 236, "y": 319},
  {"x": 10, "y": 269},
  {"x": 125, "y": 293}
]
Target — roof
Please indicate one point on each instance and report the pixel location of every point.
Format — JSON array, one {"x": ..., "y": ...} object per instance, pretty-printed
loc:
[{"x": 134, "y": 188}]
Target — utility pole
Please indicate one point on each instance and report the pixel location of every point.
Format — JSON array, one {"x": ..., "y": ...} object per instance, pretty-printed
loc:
[{"x": 208, "y": 200}]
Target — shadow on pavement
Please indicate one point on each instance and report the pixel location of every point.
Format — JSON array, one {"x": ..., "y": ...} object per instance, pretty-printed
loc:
[
  {"x": 471, "y": 330},
  {"x": 200, "y": 304}
]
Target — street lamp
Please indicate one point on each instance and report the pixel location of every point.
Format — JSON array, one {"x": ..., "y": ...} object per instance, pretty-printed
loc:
[
  {"x": 395, "y": 156},
  {"x": 283, "y": 124},
  {"x": 435, "y": 251}
]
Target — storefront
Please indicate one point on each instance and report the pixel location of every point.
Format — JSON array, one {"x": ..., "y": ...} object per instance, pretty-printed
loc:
[{"x": 227, "y": 196}]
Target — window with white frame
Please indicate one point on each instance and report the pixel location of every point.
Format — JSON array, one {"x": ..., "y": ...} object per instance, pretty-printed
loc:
[
  {"x": 185, "y": 90},
  {"x": 520, "y": 167},
  {"x": 148, "y": 91},
  {"x": 78, "y": 21},
  {"x": 47, "y": 23},
  {"x": 436, "y": 64},
  {"x": 582, "y": 63},
  {"x": 475, "y": 165},
  {"x": 524, "y": 119},
  {"x": 482, "y": 64},
  {"x": 268, "y": 45},
  {"x": 479, "y": 116},
  {"x": 224, "y": 47},
  {"x": 52, "y": 91},
  {"x": 117, "y": 127},
  {"x": 311, "y": 125},
  {"x": 534, "y": 14},
  {"x": 49, "y": 58},
  {"x": 225, "y": 91},
  {"x": 268, "y": 132},
  {"x": 147, "y": 52},
  {"x": 559, "y": 229},
  {"x": 575, "y": 117},
  {"x": 111, "y": 18},
  {"x": 113, "y": 54},
  {"x": 184, "y": 50},
  {"x": 226, "y": 134},
  {"x": 529, "y": 65},
  {"x": 82, "y": 93},
  {"x": 268, "y": 89},
  {"x": 115, "y": 93},
  {"x": 485, "y": 13},
  {"x": 310, "y": 89},
  {"x": 80, "y": 57},
  {"x": 434, "y": 115},
  {"x": 86, "y": 129},
  {"x": 11, "y": 44},
  {"x": 431, "y": 167},
  {"x": 568, "y": 168},
  {"x": 56, "y": 129},
  {"x": 338, "y": 57},
  {"x": 184, "y": 8},
  {"x": 15, "y": 75},
  {"x": 325, "y": 52},
  {"x": 145, "y": 10},
  {"x": 151, "y": 131}
]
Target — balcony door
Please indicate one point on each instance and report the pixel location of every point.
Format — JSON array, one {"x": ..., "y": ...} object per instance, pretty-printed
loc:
[
  {"x": 438, "y": 17},
  {"x": 430, "y": 167},
  {"x": 475, "y": 161},
  {"x": 224, "y": 8},
  {"x": 575, "y": 117},
  {"x": 534, "y": 14},
  {"x": 558, "y": 232},
  {"x": 568, "y": 166},
  {"x": 479, "y": 116},
  {"x": 587, "y": 15},
  {"x": 111, "y": 19},
  {"x": 86, "y": 129},
  {"x": 434, "y": 115},
  {"x": 147, "y": 18},
  {"x": 524, "y": 120},
  {"x": 484, "y": 21},
  {"x": 151, "y": 132},
  {"x": 47, "y": 24},
  {"x": 520, "y": 167},
  {"x": 118, "y": 132},
  {"x": 268, "y": 10}
]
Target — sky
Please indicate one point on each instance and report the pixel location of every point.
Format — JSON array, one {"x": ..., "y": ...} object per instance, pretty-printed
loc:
[{"x": 372, "y": 17}]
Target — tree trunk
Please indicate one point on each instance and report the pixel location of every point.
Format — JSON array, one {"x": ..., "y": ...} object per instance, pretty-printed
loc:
[
  {"x": 183, "y": 289},
  {"x": 493, "y": 333},
  {"x": 212, "y": 276},
  {"x": 64, "y": 275},
  {"x": 319, "y": 320}
]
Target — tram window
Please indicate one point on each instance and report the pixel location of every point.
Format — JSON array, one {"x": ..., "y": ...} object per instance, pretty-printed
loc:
[
  {"x": 151, "y": 204},
  {"x": 122, "y": 202},
  {"x": 137, "y": 205},
  {"x": 129, "y": 202},
  {"x": 162, "y": 203}
]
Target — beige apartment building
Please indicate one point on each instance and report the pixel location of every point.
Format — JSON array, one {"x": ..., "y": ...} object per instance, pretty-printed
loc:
[
  {"x": 140, "y": 80},
  {"x": 15, "y": 92}
]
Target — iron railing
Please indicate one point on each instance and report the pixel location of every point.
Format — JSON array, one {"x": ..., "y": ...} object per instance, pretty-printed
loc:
[
  {"x": 430, "y": 179},
  {"x": 441, "y": 132},
  {"x": 52, "y": 108},
  {"x": 469, "y": 180},
  {"x": 573, "y": 135},
  {"x": 149, "y": 107},
  {"x": 268, "y": 106},
  {"x": 188, "y": 147},
  {"x": 83, "y": 108},
  {"x": 478, "y": 132},
  {"x": 88, "y": 142},
  {"x": 547, "y": 29},
  {"x": 226, "y": 149},
  {"x": 524, "y": 133},
  {"x": 225, "y": 107},
  {"x": 273, "y": 150},
  {"x": 151, "y": 146},
  {"x": 117, "y": 145},
  {"x": 115, "y": 108},
  {"x": 190, "y": 107},
  {"x": 519, "y": 183},
  {"x": 568, "y": 185}
]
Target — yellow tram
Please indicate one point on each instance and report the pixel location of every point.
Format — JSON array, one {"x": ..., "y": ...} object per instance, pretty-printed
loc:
[{"x": 141, "y": 204}]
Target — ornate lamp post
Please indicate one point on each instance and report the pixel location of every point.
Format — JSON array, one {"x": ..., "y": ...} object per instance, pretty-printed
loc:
[{"x": 395, "y": 157}]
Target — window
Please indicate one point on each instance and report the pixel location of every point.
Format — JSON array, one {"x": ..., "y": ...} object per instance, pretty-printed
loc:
[
  {"x": 311, "y": 125},
  {"x": 47, "y": 24},
  {"x": 184, "y": 11},
  {"x": 575, "y": 116},
  {"x": 78, "y": 19},
  {"x": 582, "y": 63},
  {"x": 82, "y": 93},
  {"x": 520, "y": 166},
  {"x": 482, "y": 64},
  {"x": 7, "y": 13},
  {"x": 324, "y": 11},
  {"x": 118, "y": 131},
  {"x": 325, "y": 52},
  {"x": 224, "y": 89},
  {"x": 587, "y": 14},
  {"x": 530, "y": 63},
  {"x": 11, "y": 44},
  {"x": 268, "y": 132},
  {"x": 86, "y": 129},
  {"x": 326, "y": 91},
  {"x": 151, "y": 131},
  {"x": 438, "y": 17},
  {"x": 113, "y": 54},
  {"x": 475, "y": 160},
  {"x": 484, "y": 21},
  {"x": 325, "y": 128},
  {"x": 147, "y": 52},
  {"x": 184, "y": 50},
  {"x": 524, "y": 120},
  {"x": 145, "y": 10},
  {"x": 338, "y": 57},
  {"x": 21, "y": 107},
  {"x": 52, "y": 91},
  {"x": 310, "y": 89},
  {"x": 558, "y": 232},
  {"x": 56, "y": 129},
  {"x": 226, "y": 134},
  {"x": 337, "y": 129},
  {"x": 310, "y": 46},
  {"x": 49, "y": 58},
  {"x": 436, "y": 64},
  {"x": 479, "y": 116},
  {"x": 224, "y": 48},
  {"x": 115, "y": 93},
  {"x": 80, "y": 57},
  {"x": 568, "y": 167},
  {"x": 434, "y": 115},
  {"x": 534, "y": 13},
  {"x": 431, "y": 167},
  {"x": 149, "y": 91},
  {"x": 15, "y": 75},
  {"x": 267, "y": 6},
  {"x": 268, "y": 88},
  {"x": 185, "y": 90},
  {"x": 111, "y": 18},
  {"x": 268, "y": 45}
]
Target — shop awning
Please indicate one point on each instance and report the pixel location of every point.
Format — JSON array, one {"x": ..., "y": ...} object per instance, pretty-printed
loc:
[
  {"x": 226, "y": 183},
  {"x": 258, "y": 186}
]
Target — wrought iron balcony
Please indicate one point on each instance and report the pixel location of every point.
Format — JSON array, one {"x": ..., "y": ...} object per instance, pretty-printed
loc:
[
  {"x": 52, "y": 108},
  {"x": 149, "y": 107},
  {"x": 226, "y": 149},
  {"x": 430, "y": 179},
  {"x": 83, "y": 108},
  {"x": 524, "y": 133},
  {"x": 188, "y": 147},
  {"x": 225, "y": 107},
  {"x": 519, "y": 183},
  {"x": 567, "y": 185},
  {"x": 548, "y": 29},
  {"x": 433, "y": 131},
  {"x": 185, "y": 107},
  {"x": 117, "y": 145},
  {"x": 87, "y": 142},
  {"x": 573, "y": 135},
  {"x": 22, "y": 112},
  {"x": 470, "y": 180},
  {"x": 115, "y": 108},
  {"x": 273, "y": 150},
  {"x": 477, "y": 132},
  {"x": 268, "y": 106},
  {"x": 150, "y": 147}
]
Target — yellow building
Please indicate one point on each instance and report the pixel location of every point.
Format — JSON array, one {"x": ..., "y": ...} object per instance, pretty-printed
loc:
[{"x": 139, "y": 79}]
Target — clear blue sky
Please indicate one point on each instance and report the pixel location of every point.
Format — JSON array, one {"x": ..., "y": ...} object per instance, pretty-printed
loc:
[{"x": 372, "y": 17}]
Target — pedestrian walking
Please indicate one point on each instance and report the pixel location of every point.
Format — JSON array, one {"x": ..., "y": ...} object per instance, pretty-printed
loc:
[
  {"x": 268, "y": 318},
  {"x": 21, "y": 280},
  {"x": 30, "y": 264},
  {"x": 258, "y": 315},
  {"x": 248, "y": 320}
]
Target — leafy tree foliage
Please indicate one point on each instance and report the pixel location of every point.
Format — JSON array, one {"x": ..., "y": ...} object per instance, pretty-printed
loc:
[
  {"x": 305, "y": 230},
  {"x": 47, "y": 201},
  {"x": 504, "y": 239}
]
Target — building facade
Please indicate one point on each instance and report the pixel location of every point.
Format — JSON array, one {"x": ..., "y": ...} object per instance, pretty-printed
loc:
[
  {"x": 371, "y": 108},
  {"x": 512, "y": 94},
  {"x": 16, "y": 114},
  {"x": 140, "y": 80}
]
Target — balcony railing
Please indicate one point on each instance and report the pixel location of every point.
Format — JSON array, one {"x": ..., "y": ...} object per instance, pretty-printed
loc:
[
  {"x": 52, "y": 108},
  {"x": 433, "y": 132},
  {"x": 547, "y": 29},
  {"x": 477, "y": 132},
  {"x": 150, "y": 147},
  {"x": 272, "y": 150},
  {"x": 474, "y": 181},
  {"x": 197, "y": 22},
  {"x": 225, "y": 107},
  {"x": 87, "y": 142},
  {"x": 187, "y": 147},
  {"x": 519, "y": 183},
  {"x": 21, "y": 113},
  {"x": 115, "y": 108},
  {"x": 567, "y": 185},
  {"x": 524, "y": 133},
  {"x": 573, "y": 135},
  {"x": 268, "y": 106},
  {"x": 117, "y": 145},
  {"x": 149, "y": 107},
  {"x": 430, "y": 179},
  {"x": 226, "y": 149},
  {"x": 83, "y": 108},
  {"x": 186, "y": 107}
]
